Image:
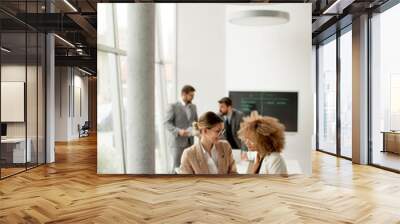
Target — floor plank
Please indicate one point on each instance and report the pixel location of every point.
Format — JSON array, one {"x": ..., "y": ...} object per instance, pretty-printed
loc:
[{"x": 70, "y": 191}]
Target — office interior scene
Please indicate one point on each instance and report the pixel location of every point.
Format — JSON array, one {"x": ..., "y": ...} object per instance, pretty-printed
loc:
[
  {"x": 299, "y": 97},
  {"x": 232, "y": 78}
]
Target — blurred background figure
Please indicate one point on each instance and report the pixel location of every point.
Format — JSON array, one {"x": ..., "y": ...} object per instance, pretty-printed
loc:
[
  {"x": 179, "y": 119},
  {"x": 232, "y": 120}
]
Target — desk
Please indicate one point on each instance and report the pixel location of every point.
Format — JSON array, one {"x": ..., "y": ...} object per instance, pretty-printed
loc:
[
  {"x": 243, "y": 166},
  {"x": 13, "y": 150},
  {"x": 391, "y": 141}
]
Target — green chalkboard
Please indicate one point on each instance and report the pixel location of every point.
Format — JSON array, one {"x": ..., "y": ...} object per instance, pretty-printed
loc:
[{"x": 281, "y": 105}]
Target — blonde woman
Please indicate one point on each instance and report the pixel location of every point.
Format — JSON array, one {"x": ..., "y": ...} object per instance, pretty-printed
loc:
[
  {"x": 209, "y": 155},
  {"x": 266, "y": 136}
]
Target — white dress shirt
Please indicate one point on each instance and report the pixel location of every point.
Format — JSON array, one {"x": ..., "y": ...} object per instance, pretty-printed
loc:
[
  {"x": 228, "y": 116},
  {"x": 212, "y": 161},
  {"x": 273, "y": 164},
  {"x": 187, "y": 109}
]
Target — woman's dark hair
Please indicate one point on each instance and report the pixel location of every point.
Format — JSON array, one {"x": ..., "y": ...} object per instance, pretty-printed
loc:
[
  {"x": 226, "y": 100},
  {"x": 207, "y": 120},
  {"x": 187, "y": 89}
]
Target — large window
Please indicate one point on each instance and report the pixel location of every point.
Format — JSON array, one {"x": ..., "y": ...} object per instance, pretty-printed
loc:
[
  {"x": 335, "y": 74},
  {"x": 327, "y": 96},
  {"x": 110, "y": 117},
  {"x": 112, "y": 79},
  {"x": 385, "y": 89},
  {"x": 346, "y": 93}
]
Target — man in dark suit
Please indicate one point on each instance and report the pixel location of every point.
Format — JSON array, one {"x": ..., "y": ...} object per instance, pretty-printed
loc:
[
  {"x": 179, "y": 119},
  {"x": 232, "y": 120}
]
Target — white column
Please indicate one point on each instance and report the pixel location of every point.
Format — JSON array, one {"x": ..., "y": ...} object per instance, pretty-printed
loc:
[
  {"x": 360, "y": 90},
  {"x": 140, "y": 150},
  {"x": 50, "y": 92},
  {"x": 50, "y": 99}
]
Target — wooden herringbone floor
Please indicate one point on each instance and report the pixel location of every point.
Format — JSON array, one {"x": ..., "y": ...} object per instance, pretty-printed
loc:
[{"x": 70, "y": 191}]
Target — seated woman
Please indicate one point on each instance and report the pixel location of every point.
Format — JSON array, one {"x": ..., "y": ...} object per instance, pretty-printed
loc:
[
  {"x": 210, "y": 155},
  {"x": 266, "y": 136}
]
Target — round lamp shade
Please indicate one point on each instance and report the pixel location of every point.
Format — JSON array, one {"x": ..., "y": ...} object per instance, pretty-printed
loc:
[{"x": 259, "y": 18}]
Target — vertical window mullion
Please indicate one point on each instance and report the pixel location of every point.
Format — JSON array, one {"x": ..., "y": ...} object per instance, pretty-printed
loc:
[
  {"x": 119, "y": 85},
  {"x": 26, "y": 86},
  {"x": 37, "y": 89},
  {"x": 369, "y": 90},
  {"x": 338, "y": 81},
  {"x": 317, "y": 96}
]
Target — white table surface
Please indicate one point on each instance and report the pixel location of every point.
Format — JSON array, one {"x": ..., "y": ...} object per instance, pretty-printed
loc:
[
  {"x": 242, "y": 166},
  {"x": 12, "y": 140},
  {"x": 19, "y": 153}
]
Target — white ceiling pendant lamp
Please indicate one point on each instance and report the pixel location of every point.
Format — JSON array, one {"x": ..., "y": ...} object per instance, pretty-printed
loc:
[{"x": 259, "y": 18}]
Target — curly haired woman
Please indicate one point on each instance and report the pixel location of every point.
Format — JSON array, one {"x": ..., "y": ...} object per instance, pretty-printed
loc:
[{"x": 266, "y": 136}]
